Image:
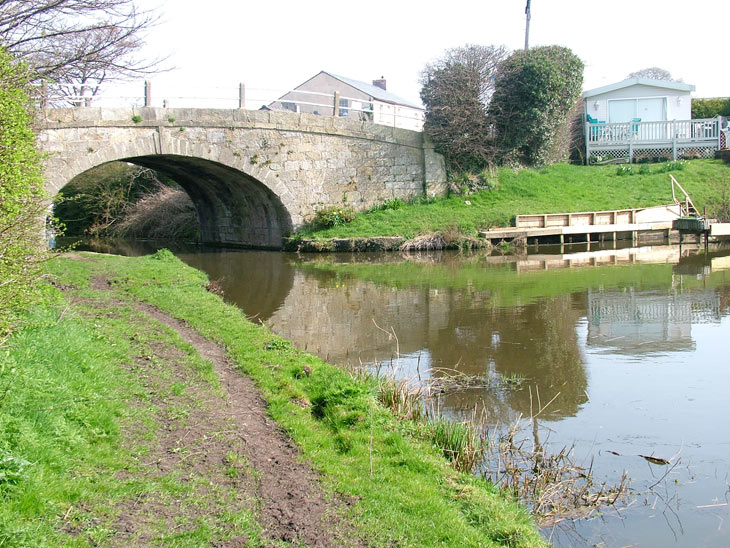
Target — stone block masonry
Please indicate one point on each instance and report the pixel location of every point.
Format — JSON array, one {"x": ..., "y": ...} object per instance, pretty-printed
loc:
[{"x": 254, "y": 176}]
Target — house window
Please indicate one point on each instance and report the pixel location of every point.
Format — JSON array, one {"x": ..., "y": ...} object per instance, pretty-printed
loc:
[
  {"x": 344, "y": 112},
  {"x": 289, "y": 106}
]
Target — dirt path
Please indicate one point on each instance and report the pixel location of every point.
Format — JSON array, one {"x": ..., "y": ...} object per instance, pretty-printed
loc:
[{"x": 227, "y": 439}]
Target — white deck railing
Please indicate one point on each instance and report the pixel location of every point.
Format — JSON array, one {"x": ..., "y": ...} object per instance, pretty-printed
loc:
[{"x": 623, "y": 140}]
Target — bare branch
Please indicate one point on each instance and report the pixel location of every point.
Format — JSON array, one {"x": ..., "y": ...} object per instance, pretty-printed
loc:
[{"x": 77, "y": 44}]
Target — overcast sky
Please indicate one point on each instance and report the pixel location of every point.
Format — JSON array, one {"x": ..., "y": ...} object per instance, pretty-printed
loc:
[{"x": 276, "y": 45}]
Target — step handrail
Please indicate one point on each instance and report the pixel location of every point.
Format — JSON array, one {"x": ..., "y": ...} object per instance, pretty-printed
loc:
[{"x": 687, "y": 209}]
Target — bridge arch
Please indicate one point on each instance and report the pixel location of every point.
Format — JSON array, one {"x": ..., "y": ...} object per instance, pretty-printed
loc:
[
  {"x": 233, "y": 207},
  {"x": 253, "y": 176}
]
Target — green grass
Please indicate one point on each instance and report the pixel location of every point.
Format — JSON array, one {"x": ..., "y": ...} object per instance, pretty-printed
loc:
[
  {"x": 412, "y": 497},
  {"x": 66, "y": 397},
  {"x": 554, "y": 189}
]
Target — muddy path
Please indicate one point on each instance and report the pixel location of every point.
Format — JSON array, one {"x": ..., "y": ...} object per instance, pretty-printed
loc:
[{"x": 220, "y": 443}]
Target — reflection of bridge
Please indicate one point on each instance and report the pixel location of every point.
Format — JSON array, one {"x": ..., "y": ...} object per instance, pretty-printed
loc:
[{"x": 252, "y": 175}]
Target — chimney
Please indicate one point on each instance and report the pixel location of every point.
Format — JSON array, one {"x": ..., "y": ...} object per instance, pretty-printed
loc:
[{"x": 380, "y": 83}]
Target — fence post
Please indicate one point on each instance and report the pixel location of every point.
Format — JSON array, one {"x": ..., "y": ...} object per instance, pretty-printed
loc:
[
  {"x": 147, "y": 93},
  {"x": 336, "y": 104},
  {"x": 44, "y": 95},
  {"x": 674, "y": 140},
  {"x": 241, "y": 96}
]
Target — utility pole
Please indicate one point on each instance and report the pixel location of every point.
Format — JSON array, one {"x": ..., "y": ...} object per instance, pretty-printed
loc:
[{"x": 527, "y": 25}]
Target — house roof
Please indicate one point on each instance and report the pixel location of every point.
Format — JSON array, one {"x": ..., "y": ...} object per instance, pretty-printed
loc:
[
  {"x": 666, "y": 84},
  {"x": 374, "y": 91}
]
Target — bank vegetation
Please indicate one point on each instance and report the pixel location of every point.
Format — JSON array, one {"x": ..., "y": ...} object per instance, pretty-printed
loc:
[
  {"x": 78, "y": 422},
  {"x": 492, "y": 198}
]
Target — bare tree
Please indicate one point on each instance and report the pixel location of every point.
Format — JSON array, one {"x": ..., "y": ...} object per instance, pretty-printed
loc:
[
  {"x": 653, "y": 73},
  {"x": 457, "y": 90},
  {"x": 76, "y": 45}
]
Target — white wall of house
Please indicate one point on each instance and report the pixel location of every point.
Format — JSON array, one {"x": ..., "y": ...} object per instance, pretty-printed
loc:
[
  {"x": 353, "y": 101},
  {"x": 650, "y": 103}
]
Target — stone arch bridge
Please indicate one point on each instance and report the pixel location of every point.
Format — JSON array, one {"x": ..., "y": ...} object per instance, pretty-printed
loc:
[{"x": 254, "y": 176}]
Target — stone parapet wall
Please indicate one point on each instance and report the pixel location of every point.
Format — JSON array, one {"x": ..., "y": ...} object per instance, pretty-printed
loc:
[{"x": 226, "y": 118}]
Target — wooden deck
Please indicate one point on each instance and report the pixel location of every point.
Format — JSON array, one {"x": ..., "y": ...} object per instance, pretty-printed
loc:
[
  {"x": 674, "y": 139},
  {"x": 646, "y": 224}
]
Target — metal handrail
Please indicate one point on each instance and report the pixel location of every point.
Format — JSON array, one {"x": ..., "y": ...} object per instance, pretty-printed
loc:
[{"x": 687, "y": 209}]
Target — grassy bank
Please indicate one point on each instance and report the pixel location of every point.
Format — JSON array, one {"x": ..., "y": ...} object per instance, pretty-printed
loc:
[
  {"x": 69, "y": 400},
  {"x": 554, "y": 189}
]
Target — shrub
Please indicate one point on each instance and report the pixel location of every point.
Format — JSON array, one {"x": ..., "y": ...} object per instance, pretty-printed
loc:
[
  {"x": 164, "y": 213},
  {"x": 710, "y": 108},
  {"x": 333, "y": 216},
  {"x": 95, "y": 200},
  {"x": 466, "y": 182},
  {"x": 677, "y": 165},
  {"x": 533, "y": 96},
  {"x": 22, "y": 197},
  {"x": 456, "y": 91}
]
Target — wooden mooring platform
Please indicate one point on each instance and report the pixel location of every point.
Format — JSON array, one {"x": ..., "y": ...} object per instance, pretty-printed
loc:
[{"x": 643, "y": 225}]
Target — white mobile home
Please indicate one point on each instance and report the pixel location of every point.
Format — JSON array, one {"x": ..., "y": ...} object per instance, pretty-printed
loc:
[{"x": 641, "y": 117}]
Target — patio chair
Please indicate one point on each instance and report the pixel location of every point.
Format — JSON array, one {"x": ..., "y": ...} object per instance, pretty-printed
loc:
[{"x": 597, "y": 127}]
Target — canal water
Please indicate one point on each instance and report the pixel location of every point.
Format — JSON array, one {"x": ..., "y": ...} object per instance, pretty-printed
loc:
[{"x": 630, "y": 347}]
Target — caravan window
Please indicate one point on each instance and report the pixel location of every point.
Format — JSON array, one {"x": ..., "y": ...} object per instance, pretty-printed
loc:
[{"x": 649, "y": 109}]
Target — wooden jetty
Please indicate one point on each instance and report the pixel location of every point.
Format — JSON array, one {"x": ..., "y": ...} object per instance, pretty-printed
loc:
[
  {"x": 650, "y": 224},
  {"x": 644, "y": 224}
]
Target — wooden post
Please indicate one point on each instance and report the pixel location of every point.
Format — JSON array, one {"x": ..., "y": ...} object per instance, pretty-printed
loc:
[
  {"x": 631, "y": 149},
  {"x": 147, "y": 93},
  {"x": 674, "y": 141},
  {"x": 241, "y": 96},
  {"x": 44, "y": 95},
  {"x": 336, "y": 104}
]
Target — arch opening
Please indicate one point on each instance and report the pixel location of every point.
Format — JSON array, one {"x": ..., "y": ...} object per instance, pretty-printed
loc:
[{"x": 233, "y": 208}]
